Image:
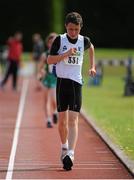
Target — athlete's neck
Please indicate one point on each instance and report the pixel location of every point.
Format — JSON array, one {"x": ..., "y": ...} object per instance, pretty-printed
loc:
[{"x": 73, "y": 41}]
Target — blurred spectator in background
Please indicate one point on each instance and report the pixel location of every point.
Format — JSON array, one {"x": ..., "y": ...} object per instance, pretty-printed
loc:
[
  {"x": 129, "y": 69},
  {"x": 129, "y": 81},
  {"x": 3, "y": 58},
  {"x": 38, "y": 49},
  {"x": 15, "y": 49},
  {"x": 48, "y": 81},
  {"x": 99, "y": 73}
]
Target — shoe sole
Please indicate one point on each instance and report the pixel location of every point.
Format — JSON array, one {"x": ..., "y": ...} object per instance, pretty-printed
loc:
[{"x": 67, "y": 163}]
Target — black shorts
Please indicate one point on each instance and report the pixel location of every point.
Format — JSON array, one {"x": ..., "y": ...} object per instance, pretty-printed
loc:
[{"x": 68, "y": 95}]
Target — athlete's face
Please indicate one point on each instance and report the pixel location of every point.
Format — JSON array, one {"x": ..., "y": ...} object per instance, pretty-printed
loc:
[{"x": 73, "y": 30}]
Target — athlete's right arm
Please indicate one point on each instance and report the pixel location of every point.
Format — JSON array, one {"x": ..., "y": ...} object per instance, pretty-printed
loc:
[{"x": 54, "y": 57}]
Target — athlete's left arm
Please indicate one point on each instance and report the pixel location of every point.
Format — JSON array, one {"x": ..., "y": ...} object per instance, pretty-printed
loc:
[{"x": 92, "y": 71}]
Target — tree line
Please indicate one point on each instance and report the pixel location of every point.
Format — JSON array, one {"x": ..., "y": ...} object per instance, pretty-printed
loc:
[{"x": 108, "y": 23}]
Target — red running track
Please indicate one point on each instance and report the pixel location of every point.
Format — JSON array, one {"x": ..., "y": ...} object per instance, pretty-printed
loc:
[{"x": 28, "y": 150}]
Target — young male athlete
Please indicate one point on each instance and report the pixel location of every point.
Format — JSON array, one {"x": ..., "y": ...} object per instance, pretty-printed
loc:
[{"x": 67, "y": 51}]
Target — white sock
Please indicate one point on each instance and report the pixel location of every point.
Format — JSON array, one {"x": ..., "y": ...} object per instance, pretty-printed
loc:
[
  {"x": 71, "y": 151},
  {"x": 49, "y": 119},
  {"x": 65, "y": 145}
]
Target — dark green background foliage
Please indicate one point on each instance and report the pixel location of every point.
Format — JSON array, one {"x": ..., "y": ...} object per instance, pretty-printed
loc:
[
  {"x": 24, "y": 15},
  {"x": 109, "y": 23}
]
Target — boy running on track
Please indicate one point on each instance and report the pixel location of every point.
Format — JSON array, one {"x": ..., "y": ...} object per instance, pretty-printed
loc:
[
  {"x": 48, "y": 80},
  {"x": 67, "y": 51}
]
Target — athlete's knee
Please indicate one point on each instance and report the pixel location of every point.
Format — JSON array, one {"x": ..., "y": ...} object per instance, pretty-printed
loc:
[
  {"x": 62, "y": 119},
  {"x": 73, "y": 118},
  {"x": 72, "y": 122},
  {"x": 62, "y": 122}
]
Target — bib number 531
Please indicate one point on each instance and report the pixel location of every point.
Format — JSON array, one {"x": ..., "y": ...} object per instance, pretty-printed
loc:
[{"x": 73, "y": 60}]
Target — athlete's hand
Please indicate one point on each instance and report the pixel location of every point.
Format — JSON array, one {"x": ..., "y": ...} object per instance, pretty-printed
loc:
[
  {"x": 92, "y": 72},
  {"x": 72, "y": 51}
]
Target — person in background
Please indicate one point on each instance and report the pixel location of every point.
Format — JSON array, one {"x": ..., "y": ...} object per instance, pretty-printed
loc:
[
  {"x": 99, "y": 73},
  {"x": 15, "y": 49},
  {"x": 67, "y": 53},
  {"x": 48, "y": 80},
  {"x": 38, "y": 49}
]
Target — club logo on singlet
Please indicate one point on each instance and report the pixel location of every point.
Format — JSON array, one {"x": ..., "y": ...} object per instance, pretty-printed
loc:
[{"x": 64, "y": 48}]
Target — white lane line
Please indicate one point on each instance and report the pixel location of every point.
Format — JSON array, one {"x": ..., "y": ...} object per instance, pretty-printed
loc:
[{"x": 17, "y": 128}]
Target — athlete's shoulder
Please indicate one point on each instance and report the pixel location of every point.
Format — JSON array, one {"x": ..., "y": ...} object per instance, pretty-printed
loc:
[
  {"x": 63, "y": 36},
  {"x": 55, "y": 46},
  {"x": 57, "y": 40},
  {"x": 80, "y": 36},
  {"x": 87, "y": 42},
  {"x": 86, "y": 38}
]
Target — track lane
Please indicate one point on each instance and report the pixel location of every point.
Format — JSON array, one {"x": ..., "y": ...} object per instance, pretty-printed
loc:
[
  {"x": 9, "y": 101},
  {"x": 17, "y": 129},
  {"x": 37, "y": 155},
  {"x": 38, "y": 150}
]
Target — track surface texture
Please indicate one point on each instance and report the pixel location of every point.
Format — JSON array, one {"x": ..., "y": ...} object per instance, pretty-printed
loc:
[{"x": 36, "y": 152}]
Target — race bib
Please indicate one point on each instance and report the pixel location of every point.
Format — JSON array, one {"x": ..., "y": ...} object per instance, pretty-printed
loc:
[{"x": 73, "y": 60}]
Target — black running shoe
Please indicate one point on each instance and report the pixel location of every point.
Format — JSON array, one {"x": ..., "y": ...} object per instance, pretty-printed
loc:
[
  {"x": 67, "y": 163},
  {"x": 49, "y": 125},
  {"x": 63, "y": 153}
]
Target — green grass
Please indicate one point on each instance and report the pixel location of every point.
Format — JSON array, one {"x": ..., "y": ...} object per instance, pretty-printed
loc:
[
  {"x": 113, "y": 53},
  {"x": 113, "y": 112}
]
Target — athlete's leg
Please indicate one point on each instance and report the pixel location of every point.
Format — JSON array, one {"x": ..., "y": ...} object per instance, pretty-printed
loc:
[
  {"x": 52, "y": 93},
  {"x": 47, "y": 107},
  {"x": 53, "y": 105},
  {"x": 73, "y": 113},
  {"x": 37, "y": 83},
  {"x": 62, "y": 106},
  {"x": 48, "y": 103},
  {"x": 74, "y": 109},
  {"x": 73, "y": 129},
  {"x": 63, "y": 126},
  {"x": 45, "y": 99},
  {"x": 15, "y": 75},
  {"x": 7, "y": 73}
]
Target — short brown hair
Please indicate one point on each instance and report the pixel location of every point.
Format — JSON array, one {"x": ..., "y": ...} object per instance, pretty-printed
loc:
[{"x": 74, "y": 18}]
